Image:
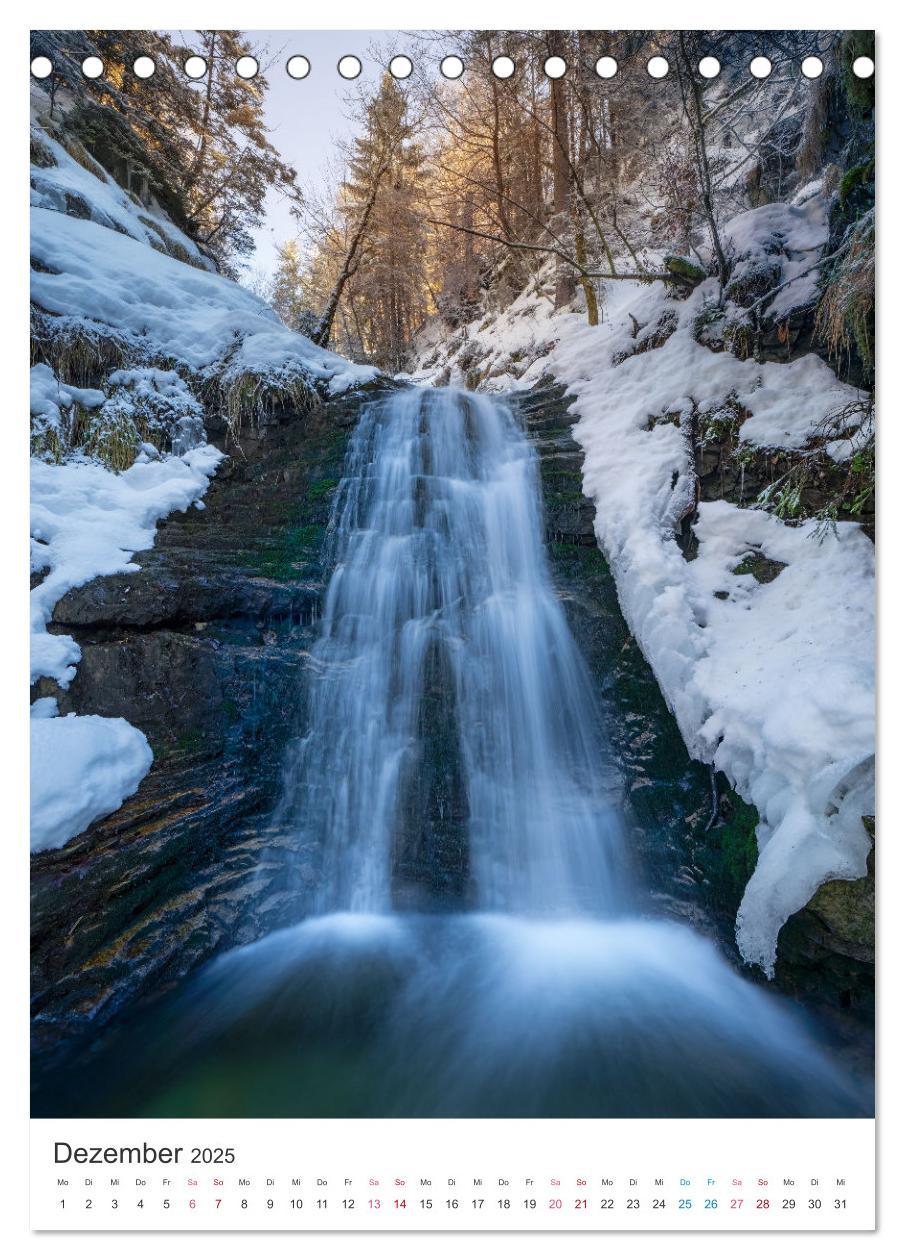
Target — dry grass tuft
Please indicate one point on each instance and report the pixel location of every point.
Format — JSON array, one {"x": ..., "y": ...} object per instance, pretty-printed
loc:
[
  {"x": 253, "y": 399},
  {"x": 77, "y": 352}
]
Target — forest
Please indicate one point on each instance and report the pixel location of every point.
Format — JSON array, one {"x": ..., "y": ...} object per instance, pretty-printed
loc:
[
  {"x": 457, "y": 189},
  {"x": 559, "y": 159}
]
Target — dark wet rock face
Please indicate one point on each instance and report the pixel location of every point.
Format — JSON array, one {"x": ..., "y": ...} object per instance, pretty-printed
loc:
[
  {"x": 430, "y": 859},
  {"x": 204, "y": 649},
  {"x": 569, "y": 516}
]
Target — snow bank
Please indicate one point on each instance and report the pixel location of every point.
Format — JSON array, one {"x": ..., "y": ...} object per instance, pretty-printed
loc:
[
  {"x": 67, "y": 187},
  {"x": 772, "y": 683},
  {"x": 102, "y": 269},
  {"x": 87, "y": 522},
  {"x": 82, "y": 768}
]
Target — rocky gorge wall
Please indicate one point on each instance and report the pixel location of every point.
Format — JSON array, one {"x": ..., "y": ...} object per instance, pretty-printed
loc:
[
  {"x": 206, "y": 648},
  {"x": 203, "y": 649}
]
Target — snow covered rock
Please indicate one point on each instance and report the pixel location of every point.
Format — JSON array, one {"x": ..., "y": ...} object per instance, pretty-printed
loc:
[
  {"x": 88, "y": 521},
  {"x": 82, "y": 768}
]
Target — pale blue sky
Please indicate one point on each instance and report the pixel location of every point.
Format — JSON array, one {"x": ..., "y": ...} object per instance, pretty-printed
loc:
[{"x": 308, "y": 116}]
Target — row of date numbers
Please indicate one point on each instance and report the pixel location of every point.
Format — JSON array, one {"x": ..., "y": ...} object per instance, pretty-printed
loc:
[{"x": 427, "y": 1205}]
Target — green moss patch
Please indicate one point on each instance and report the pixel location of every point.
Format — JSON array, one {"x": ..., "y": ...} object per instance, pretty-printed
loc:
[{"x": 760, "y": 567}]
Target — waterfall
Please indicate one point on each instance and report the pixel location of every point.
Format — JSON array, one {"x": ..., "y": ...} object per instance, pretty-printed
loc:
[
  {"x": 454, "y": 748},
  {"x": 440, "y": 617}
]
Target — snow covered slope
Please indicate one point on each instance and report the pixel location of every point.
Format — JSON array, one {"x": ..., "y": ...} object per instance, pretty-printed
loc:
[
  {"x": 103, "y": 259},
  {"x": 772, "y": 682},
  {"x": 132, "y": 329}
]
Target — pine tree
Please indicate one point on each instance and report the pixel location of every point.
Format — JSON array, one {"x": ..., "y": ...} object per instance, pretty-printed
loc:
[
  {"x": 287, "y": 293},
  {"x": 379, "y": 284}
]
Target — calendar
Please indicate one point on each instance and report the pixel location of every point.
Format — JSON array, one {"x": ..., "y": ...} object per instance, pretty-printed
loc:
[
  {"x": 397, "y": 1176},
  {"x": 452, "y": 474}
]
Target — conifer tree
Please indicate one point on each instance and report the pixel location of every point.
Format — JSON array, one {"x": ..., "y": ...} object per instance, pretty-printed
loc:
[
  {"x": 287, "y": 292},
  {"x": 380, "y": 273}
]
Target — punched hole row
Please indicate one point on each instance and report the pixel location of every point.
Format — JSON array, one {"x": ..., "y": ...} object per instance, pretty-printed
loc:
[{"x": 452, "y": 67}]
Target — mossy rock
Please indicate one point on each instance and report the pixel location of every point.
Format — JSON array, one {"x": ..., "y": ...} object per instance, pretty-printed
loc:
[
  {"x": 846, "y": 908},
  {"x": 856, "y": 197},
  {"x": 854, "y": 178},
  {"x": 319, "y": 490},
  {"x": 760, "y": 567},
  {"x": 685, "y": 272},
  {"x": 290, "y": 555}
]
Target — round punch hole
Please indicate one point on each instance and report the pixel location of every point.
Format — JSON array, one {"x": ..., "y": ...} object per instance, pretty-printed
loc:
[
  {"x": 195, "y": 67},
  {"x": 452, "y": 67},
  {"x": 503, "y": 67},
  {"x": 401, "y": 67},
  {"x": 349, "y": 67},
  {"x": 863, "y": 67},
  {"x": 92, "y": 67},
  {"x": 606, "y": 67},
  {"x": 247, "y": 67},
  {"x": 658, "y": 67},
  {"x": 42, "y": 67},
  {"x": 554, "y": 67},
  {"x": 760, "y": 67},
  {"x": 298, "y": 67},
  {"x": 143, "y": 67},
  {"x": 812, "y": 67},
  {"x": 708, "y": 67}
]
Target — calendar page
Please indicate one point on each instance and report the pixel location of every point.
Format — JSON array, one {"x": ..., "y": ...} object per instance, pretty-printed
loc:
[{"x": 452, "y": 629}]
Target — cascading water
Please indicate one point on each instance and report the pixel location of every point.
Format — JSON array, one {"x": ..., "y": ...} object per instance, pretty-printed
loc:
[
  {"x": 454, "y": 745},
  {"x": 441, "y": 588}
]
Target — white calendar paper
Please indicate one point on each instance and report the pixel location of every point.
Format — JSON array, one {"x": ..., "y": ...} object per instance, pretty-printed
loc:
[{"x": 452, "y": 629}]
